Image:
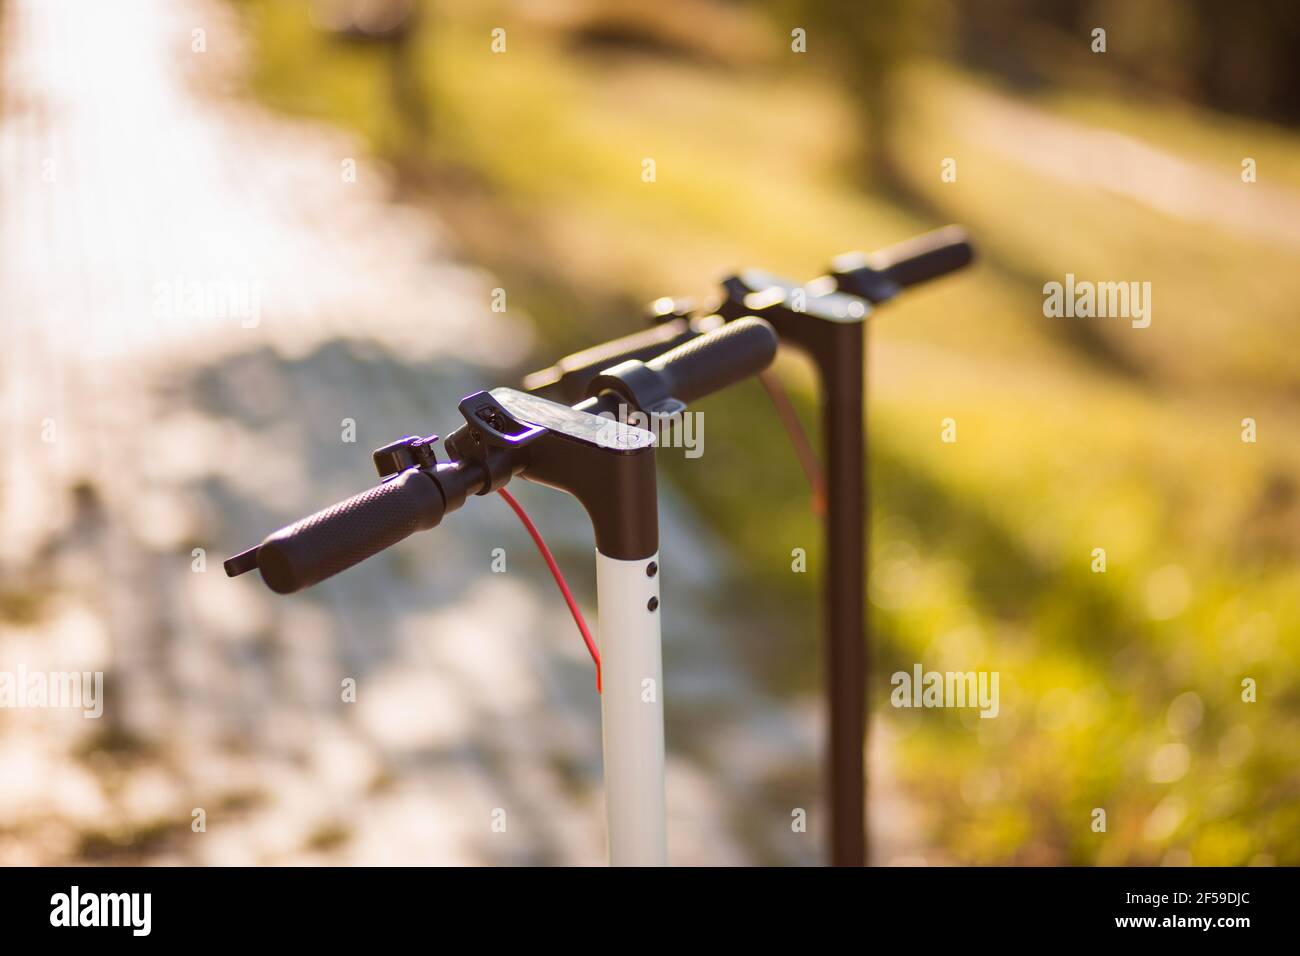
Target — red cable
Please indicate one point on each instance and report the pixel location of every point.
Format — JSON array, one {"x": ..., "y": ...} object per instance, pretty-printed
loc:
[
  {"x": 559, "y": 578},
  {"x": 799, "y": 438}
]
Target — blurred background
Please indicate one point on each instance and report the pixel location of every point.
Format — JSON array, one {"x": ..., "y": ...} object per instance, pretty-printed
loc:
[{"x": 243, "y": 242}]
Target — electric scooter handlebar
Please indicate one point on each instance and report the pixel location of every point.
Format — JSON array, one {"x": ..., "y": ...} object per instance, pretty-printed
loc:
[
  {"x": 716, "y": 360},
  {"x": 644, "y": 345},
  {"x": 904, "y": 264},
  {"x": 417, "y": 498},
  {"x": 876, "y": 277}
]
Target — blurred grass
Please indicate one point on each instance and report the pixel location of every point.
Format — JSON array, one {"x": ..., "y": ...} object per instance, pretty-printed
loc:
[{"x": 1070, "y": 436}]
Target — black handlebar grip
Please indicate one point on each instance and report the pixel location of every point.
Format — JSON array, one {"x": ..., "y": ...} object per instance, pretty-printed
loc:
[
  {"x": 337, "y": 537},
  {"x": 723, "y": 357},
  {"x": 566, "y": 381},
  {"x": 908, "y": 263}
]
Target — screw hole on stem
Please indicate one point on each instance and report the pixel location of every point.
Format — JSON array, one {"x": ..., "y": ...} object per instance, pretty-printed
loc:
[
  {"x": 651, "y": 569},
  {"x": 653, "y": 604}
]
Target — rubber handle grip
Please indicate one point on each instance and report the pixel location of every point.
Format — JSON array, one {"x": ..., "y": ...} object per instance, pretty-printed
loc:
[
  {"x": 344, "y": 534},
  {"x": 908, "y": 263},
  {"x": 566, "y": 380},
  {"x": 723, "y": 357}
]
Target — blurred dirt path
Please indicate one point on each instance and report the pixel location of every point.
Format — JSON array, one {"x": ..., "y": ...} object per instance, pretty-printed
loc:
[
  {"x": 200, "y": 305},
  {"x": 1081, "y": 155}
]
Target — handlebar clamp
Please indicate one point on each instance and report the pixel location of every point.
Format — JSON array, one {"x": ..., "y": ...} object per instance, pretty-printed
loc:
[{"x": 640, "y": 387}]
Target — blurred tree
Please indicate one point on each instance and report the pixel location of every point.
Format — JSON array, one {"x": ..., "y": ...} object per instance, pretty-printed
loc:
[
  {"x": 867, "y": 42},
  {"x": 394, "y": 25},
  {"x": 1241, "y": 58}
]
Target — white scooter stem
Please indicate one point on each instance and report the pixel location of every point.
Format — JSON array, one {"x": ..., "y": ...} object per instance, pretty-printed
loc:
[{"x": 632, "y": 709}]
